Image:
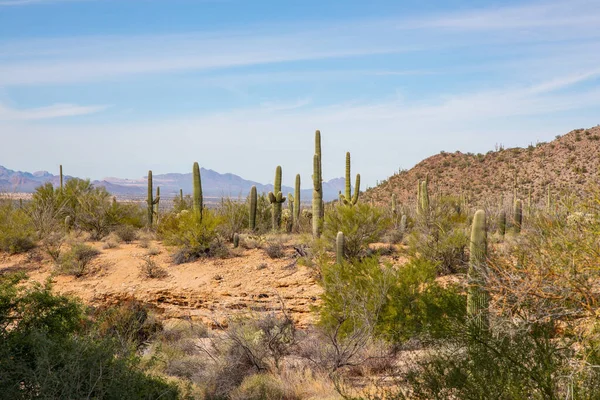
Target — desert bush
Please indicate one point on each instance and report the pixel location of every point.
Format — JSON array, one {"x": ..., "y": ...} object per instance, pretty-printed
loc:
[
  {"x": 76, "y": 260},
  {"x": 131, "y": 324},
  {"x": 150, "y": 269},
  {"x": 261, "y": 387},
  {"x": 16, "y": 230},
  {"x": 442, "y": 236},
  {"x": 48, "y": 352},
  {"x": 274, "y": 249},
  {"x": 234, "y": 216},
  {"x": 195, "y": 239},
  {"x": 126, "y": 233},
  {"x": 361, "y": 224},
  {"x": 363, "y": 300}
]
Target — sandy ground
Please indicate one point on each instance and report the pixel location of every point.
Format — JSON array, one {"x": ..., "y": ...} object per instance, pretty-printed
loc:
[{"x": 208, "y": 290}]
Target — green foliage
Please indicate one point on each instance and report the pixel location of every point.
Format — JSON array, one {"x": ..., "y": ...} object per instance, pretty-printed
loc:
[
  {"x": 362, "y": 225},
  {"x": 442, "y": 237},
  {"x": 260, "y": 387},
  {"x": 48, "y": 351},
  {"x": 396, "y": 304},
  {"x": 418, "y": 306},
  {"x": 194, "y": 238},
  {"x": 16, "y": 229},
  {"x": 87, "y": 207},
  {"x": 519, "y": 364},
  {"x": 234, "y": 217},
  {"x": 76, "y": 260}
]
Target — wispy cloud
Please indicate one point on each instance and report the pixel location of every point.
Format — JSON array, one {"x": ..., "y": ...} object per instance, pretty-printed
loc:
[
  {"x": 48, "y": 112},
  {"x": 397, "y": 133},
  {"x": 72, "y": 60}
]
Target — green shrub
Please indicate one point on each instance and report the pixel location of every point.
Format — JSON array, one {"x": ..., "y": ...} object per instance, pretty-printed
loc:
[
  {"x": 234, "y": 217},
  {"x": 361, "y": 224},
  {"x": 76, "y": 260},
  {"x": 126, "y": 233},
  {"x": 16, "y": 230},
  {"x": 396, "y": 304},
  {"x": 195, "y": 239},
  {"x": 442, "y": 236},
  {"x": 47, "y": 352},
  {"x": 260, "y": 387}
]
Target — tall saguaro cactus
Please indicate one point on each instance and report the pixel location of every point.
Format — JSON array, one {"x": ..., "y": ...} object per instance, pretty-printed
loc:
[
  {"x": 347, "y": 198},
  {"x": 424, "y": 196},
  {"x": 477, "y": 295},
  {"x": 317, "y": 201},
  {"x": 61, "y": 178},
  {"x": 296, "y": 209},
  {"x": 197, "y": 183},
  {"x": 502, "y": 223},
  {"x": 157, "y": 202},
  {"x": 518, "y": 216},
  {"x": 276, "y": 198},
  {"x": 339, "y": 247},
  {"x": 549, "y": 200},
  {"x": 151, "y": 201},
  {"x": 253, "y": 202}
]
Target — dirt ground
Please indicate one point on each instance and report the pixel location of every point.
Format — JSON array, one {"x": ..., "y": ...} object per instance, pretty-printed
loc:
[{"x": 209, "y": 290}]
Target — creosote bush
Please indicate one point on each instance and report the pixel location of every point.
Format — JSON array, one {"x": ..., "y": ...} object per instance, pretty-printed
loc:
[
  {"x": 361, "y": 224},
  {"x": 194, "y": 239},
  {"x": 16, "y": 229},
  {"x": 76, "y": 261}
]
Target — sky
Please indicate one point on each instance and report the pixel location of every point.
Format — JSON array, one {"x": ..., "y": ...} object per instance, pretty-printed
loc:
[{"x": 118, "y": 87}]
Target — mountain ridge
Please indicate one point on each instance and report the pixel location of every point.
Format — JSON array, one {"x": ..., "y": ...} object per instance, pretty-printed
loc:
[{"x": 214, "y": 184}]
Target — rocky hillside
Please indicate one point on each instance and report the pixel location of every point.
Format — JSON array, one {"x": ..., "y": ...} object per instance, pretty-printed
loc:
[{"x": 570, "y": 164}]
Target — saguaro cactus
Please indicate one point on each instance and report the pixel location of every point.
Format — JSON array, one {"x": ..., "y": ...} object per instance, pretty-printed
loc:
[
  {"x": 317, "y": 201},
  {"x": 296, "y": 209},
  {"x": 419, "y": 187},
  {"x": 518, "y": 216},
  {"x": 403, "y": 224},
  {"x": 197, "y": 183},
  {"x": 339, "y": 247},
  {"x": 61, "y": 178},
  {"x": 151, "y": 201},
  {"x": 394, "y": 205},
  {"x": 253, "y": 202},
  {"x": 477, "y": 295},
  {"x": 276, "y": 198},
  {"x": 502, "y": 223},
  {"x": 157, "y": 202},
  {"x": 549, "y": 200},
  {"x": 181, "y": 195},
  {"x": 424, "y": 196},
  {"x": 236, "y": 240},
  {"x": 347, "y": 198}
]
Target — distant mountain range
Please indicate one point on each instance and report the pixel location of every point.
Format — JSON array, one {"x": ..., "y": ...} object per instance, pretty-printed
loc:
[{"x": 214, "y": 184}]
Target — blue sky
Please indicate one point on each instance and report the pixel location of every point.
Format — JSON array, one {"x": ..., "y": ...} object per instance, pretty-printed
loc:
[{"x": 117, "y": 87}]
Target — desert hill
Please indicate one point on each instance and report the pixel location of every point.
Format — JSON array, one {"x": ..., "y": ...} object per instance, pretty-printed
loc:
[{"x": 569, "y": 164}]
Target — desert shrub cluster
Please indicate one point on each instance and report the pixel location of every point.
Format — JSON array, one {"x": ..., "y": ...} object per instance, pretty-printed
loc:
[{"x": 51, "y": 347}]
